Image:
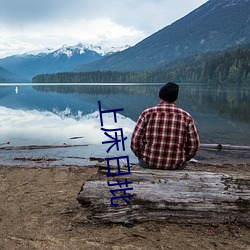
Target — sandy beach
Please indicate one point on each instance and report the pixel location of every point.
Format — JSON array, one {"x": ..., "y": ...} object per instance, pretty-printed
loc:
[{"x": 39, "y": 210}]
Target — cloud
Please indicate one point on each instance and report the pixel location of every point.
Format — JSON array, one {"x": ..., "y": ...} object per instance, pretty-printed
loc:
[
  {"x": 22, "y": 12},
  {"x": 37, "y": 23},
  {"x": 142, "y": 14},
  {"x": 33, "y": 127},
  {"x": 38, "y": 36}
]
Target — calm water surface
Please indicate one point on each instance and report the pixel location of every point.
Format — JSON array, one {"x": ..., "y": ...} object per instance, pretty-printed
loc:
[{"x": 68, "y": 114}]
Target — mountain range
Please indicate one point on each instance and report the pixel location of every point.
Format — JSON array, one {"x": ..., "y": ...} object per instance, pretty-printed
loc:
[
  {"x": 64, "y": 59},
  {"x": 214, "y": 26},
  {"x": 7, "y": 76}
]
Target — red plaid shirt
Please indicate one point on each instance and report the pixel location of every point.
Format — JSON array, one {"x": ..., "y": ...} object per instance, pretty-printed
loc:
[{"x": 165, "y": 136}]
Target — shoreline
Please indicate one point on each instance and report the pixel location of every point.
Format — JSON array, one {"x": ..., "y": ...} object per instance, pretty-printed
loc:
[
  {"x": 94, "y": 162},
  {"x": 39, "y": 210},
  {"x": 55, "y": 156}
]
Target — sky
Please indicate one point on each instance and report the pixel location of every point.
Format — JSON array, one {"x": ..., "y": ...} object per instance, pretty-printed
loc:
[{"x": 33, "y": 25}]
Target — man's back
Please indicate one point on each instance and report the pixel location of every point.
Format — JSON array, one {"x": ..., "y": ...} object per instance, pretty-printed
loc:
[{"x": 165, "y": 136}]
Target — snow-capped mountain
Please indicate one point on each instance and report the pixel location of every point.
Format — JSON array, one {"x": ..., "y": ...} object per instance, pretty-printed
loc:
[
  {"x": 81, "y": 48},
  {"x": 63, "y": 59}
]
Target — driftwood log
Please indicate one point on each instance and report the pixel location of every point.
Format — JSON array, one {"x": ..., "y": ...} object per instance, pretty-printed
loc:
[
  {"x": 224, "y": 147},
  {"x": 29, "y": 147},
  {"x": 185, "y": 196}
]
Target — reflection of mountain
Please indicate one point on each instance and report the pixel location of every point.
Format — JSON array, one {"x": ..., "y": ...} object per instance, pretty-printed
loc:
[
  {"x": 222, "y": 115},
  {"x": 133, "y": 99},
  {"x": 145, "y": 90},
  {"x": 196, "y": 99},
  {"x": 4, "y": 91}
]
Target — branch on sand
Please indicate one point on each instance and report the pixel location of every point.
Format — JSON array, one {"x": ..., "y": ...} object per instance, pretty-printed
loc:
[{"x": 28, "y": 147}]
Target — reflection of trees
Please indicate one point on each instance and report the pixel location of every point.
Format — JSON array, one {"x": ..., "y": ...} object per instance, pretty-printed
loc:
[
  {"x": 233, "y": 102},
  {"x": 99, "y": 89},
  {"x": 133, "y": 98},
  {"x": 230, "y": 66},
  {"x": 230, "y": 101}
]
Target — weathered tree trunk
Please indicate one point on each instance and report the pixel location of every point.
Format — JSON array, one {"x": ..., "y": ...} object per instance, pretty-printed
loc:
[
  {"x": 224, "y": 147},
  {"x": 170, "y": 196},
  {"x": 29, "y": 147}
]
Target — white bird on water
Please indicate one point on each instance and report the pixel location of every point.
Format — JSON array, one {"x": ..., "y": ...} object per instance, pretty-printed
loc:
[{"x": 16, "y": 90}]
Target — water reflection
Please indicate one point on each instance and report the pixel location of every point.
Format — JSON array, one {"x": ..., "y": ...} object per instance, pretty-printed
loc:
[
  {"x": 54, "y": 113},
  {"x": 227, "y": 101}
]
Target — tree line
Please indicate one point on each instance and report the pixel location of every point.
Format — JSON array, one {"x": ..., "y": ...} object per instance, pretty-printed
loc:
[{"x": 231, "y": 66}]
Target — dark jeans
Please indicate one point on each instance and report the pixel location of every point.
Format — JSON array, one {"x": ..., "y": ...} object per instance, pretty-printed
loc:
[{"x": 145, "y": 165}]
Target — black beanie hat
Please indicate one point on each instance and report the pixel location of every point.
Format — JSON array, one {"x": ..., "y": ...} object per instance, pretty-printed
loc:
[{"x": 169, "y": 92}]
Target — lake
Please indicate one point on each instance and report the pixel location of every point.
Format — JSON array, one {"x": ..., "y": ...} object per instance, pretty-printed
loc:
[{"x": 60, "y": 114}]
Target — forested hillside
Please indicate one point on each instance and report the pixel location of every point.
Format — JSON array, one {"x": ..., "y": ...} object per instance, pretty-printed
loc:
[
  {"x": 214, "y": 26},
  {"x": 7, "y": 76},
  {"x": 231, "y": 66}
]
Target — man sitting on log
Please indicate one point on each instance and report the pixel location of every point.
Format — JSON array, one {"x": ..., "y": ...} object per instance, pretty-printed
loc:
[{"x": 165, "y": 136}]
